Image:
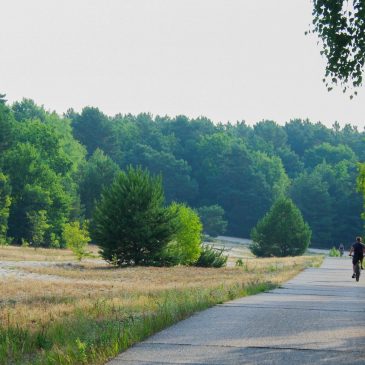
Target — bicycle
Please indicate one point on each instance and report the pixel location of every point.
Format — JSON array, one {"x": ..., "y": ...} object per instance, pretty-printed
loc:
[{"x": 357, "y": 270}]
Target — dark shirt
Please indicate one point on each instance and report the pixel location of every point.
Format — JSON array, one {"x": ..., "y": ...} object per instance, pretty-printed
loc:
[{"x": 358, "y": 249}]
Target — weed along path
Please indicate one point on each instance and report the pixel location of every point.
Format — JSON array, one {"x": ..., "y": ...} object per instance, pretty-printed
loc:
[{"x": 316, "y": 318}]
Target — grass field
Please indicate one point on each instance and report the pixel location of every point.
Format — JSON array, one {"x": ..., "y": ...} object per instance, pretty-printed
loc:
[{"x": 86, "y": 313}]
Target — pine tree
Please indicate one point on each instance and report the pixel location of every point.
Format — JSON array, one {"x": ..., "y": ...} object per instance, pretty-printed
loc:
[
  {"x": 130, "y": 223},
  {"x": 281, "y": 232}
]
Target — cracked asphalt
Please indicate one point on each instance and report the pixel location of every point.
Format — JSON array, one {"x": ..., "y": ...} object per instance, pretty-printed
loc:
[{"x": 316, "y": 318}]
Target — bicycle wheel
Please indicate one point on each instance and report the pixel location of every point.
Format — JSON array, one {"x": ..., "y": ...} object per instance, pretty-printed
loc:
[{"x": 357, "y": 271}]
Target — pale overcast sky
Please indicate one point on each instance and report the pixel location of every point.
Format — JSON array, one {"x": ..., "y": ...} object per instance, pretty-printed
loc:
[{"x": 228, "y": 60}]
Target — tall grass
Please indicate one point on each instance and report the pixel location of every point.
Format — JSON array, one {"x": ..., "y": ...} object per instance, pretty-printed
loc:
[
  {"x": 106, "y": 330},
  {"x": 83, "y": 321}
]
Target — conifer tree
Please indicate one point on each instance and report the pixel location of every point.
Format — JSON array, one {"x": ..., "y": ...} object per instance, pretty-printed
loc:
[
  {"x": 281, "y": 232},
  {"x": 131, "y": 224}
]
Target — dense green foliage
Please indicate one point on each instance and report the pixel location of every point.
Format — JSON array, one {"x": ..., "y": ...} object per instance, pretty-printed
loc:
[
  {"x": 333, "y": 252},
  {"x": 5, "y": 202},
  {"x": 281, "y": 232},
  {"x": 54, "y": 169},
  {"x": 130, "y": 223},
  {"x": 96, "y": 174},
  {"x": 41, "y": 160},
  {"x": 213, "y": 220},
  {"x": 76, "y": 237},
  {"x": 185, "y": 246},
  {"x": 211, "y": 257},
  {"x": 340, "y": 25}
]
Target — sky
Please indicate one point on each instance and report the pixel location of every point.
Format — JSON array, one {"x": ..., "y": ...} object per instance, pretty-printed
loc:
[{"x": 228, "y": 60}]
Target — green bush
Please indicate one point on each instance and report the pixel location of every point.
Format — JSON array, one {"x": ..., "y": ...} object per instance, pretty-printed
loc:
[
  {"x": 76, "y": 238},
  {"x": 281, "y": 232},
  {"x": 211, "y": 257},
  {"x": 334, "y": 252},
  {"x": 185, "y": 246}
]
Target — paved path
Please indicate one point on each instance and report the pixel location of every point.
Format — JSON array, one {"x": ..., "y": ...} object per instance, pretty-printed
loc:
[{"x": 316, "y": 318}]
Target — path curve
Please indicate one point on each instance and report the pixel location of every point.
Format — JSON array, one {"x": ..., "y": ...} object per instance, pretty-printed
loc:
[{"x": 316, "y": 318}]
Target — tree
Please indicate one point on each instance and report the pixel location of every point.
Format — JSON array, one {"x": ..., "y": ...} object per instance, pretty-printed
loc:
[
  {"x": 271, "y": 133},
  {"x": 341, "y": 27},
  {"x": 27, "y": 109},
  {"x": 171, "y": 169},
  {"x": 38, "y": 226},
  {"x": 328, "y": 153},
  {"x": 281, "y": 232},
  {"x": 185, "y": 246},
  {"x": 5, "y": 201},
  {"x": 130, "y": 223},
  {"x": 212, "y": 217},
  {"x": 273, "y": 173},
  {"x": 76, "y": 238},
  {"x": 6, "y": 128},
  {"x": 99, "y": 171},
  {"x": 227, "y": 176},
  {"x": 291, "y": 162},
  {"x": 310, "y": 193},
  {"x": 2, "y": 98},
  {"x": 345, "y": 201},
  {"x": 35, "y": 187},
  {"x": 94, "y": 130}
]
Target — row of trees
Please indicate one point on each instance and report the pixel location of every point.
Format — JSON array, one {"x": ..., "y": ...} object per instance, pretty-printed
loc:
[
  {"x": 53, "y": 169},
  {"x": 241, "y": 169}
]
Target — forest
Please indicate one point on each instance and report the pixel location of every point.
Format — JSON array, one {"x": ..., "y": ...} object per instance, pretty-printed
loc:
[{"x": 53, "y": 169}]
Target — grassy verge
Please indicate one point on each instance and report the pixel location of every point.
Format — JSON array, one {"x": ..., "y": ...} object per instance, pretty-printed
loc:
[{"x": 95, "y": 313}]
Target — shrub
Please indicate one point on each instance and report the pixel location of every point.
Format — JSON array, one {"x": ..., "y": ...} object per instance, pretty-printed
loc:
[
  {"x": 212, "y": 218},
  {"x": 131, "y": 225},
  {"x": 185, "y": 246},
  {"x": 211, "y": 257},
  {"x": 76, "y": 238},
  {"x": 281, "y": 232},
  {"x": 334, "y": 252}
]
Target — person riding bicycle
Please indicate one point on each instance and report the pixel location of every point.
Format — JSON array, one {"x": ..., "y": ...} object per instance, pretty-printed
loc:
[{"x": 357, "y": 251}]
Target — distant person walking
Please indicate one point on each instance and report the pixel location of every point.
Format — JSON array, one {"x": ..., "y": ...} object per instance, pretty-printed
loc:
[
  {"x": 357, "y": 252},
  {"x": 341, "y": 248}
]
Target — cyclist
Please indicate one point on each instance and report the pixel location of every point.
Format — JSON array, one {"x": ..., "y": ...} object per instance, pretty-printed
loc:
[{"x": 357, "y": 251}]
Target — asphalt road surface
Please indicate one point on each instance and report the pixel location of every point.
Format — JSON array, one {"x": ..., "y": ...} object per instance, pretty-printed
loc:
[{"x": 316, "y": 318}]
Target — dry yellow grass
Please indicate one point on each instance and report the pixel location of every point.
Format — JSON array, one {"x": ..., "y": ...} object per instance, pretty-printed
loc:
[
  {"x": 17, "y": 253},
  {"x": 32, "y": 303},
  {"x": 63, "y": 311}
]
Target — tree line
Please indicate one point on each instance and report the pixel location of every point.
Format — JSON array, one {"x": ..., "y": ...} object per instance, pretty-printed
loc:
[{"x": 53, "y": 169}]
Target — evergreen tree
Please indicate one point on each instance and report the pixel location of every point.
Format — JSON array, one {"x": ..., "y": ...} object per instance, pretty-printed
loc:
[
  {"x": 281, "y": 232},
  {"x": 130, "y": 223}
]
